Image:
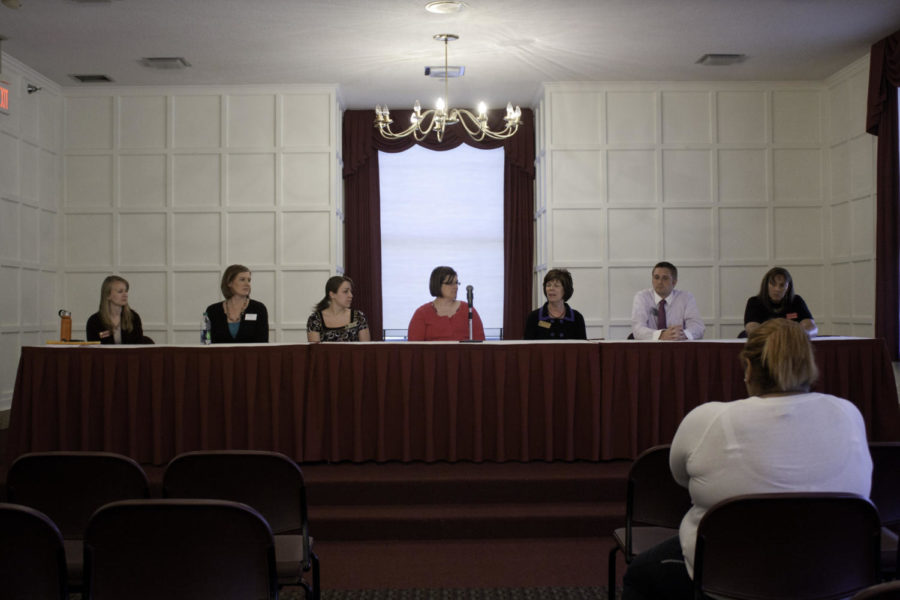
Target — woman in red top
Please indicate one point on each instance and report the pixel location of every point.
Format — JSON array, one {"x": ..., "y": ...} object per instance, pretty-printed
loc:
[{"x": 444, "y": 319}]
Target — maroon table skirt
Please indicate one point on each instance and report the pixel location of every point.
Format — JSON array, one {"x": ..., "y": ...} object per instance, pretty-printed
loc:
[{"x": 402, "y": 401}]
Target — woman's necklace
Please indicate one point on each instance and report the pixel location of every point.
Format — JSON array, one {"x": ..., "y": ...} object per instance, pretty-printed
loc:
[
  {"x": 235, "y": 316},
  {"x": 556, "y": 315}
]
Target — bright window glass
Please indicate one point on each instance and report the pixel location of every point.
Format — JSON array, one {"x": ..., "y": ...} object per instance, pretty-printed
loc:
[{"x": 441, "y": 208}]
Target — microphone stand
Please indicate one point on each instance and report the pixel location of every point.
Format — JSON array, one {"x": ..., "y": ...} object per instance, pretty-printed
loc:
[{"x": 469, "y": 301}]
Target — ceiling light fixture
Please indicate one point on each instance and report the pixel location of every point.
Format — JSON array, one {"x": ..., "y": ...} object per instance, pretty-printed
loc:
[
  {"x": 438, "y": 118},
  {"x": 444, "y": 7}
]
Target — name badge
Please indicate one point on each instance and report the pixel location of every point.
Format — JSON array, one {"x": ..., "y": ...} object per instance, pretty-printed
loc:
[
  {"x": 544, "y": 324},
  {"x": 104, "y": 334},
  {"x": 791, "y": 316},
  {"x": 250, "y": 317}
]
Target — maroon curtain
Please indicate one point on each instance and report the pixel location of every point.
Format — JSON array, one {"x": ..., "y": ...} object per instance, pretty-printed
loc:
[
  {"x": 881, "y": 121},
  {"x": 362, "y": 209}
]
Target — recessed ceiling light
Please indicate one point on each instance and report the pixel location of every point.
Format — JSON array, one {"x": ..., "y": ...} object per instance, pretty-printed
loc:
[
  {"x": 721, "y": 60},
  {"x": 444, "y": 7}
]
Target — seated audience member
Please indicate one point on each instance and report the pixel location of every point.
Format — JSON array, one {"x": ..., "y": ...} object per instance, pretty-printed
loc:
[
  {"x": 237, "y": 319},
  {"x": 556, "y": 320},
  {"x": 115, "y": 322},
  {"x": 783, "y": 438},
  {"x": 333, "y": 320},
  {"x": 664, "y": 313},
  {"x": 445, "y": 318},
  {"x": 777, "y": 300}
]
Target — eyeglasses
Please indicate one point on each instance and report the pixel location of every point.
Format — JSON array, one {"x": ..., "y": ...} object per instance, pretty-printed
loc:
[{"x": 450, "y": 283}]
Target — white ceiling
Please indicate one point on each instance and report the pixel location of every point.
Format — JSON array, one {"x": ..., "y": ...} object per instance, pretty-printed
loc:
[{"x": 376, "y": 50}]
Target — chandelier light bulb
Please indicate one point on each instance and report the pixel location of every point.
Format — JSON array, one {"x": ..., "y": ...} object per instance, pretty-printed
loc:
[{"x": 482, "y": 109}]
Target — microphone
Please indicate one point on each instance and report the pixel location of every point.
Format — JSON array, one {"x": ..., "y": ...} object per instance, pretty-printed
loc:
[
  {"x": 654, "y": 311},
  {"x": 469, "y": 302}
]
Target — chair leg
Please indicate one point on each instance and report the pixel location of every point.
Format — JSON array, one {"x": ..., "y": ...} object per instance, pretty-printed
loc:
[
  {"x": 316, "y": 588},
  {"x": 611, "y": 572}
]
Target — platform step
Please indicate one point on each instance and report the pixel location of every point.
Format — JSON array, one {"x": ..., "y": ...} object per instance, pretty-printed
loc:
[{"x": 465, "y": 521}]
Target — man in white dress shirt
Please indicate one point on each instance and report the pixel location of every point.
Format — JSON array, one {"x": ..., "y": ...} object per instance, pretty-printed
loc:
[{"x": 664, "y": 313}]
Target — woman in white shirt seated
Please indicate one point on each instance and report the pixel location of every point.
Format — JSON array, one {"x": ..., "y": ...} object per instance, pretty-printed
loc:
[{"x": 783, "y": 438}]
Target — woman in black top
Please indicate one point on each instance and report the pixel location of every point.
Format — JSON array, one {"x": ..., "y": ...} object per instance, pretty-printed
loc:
[
  {"x": 237, "y": 319},
  {"x": 333, "y": 320},
  {"x": 556, "y": 320},
  {"x": 777, "y": 300},
  {"x": 115, "y": 322}
]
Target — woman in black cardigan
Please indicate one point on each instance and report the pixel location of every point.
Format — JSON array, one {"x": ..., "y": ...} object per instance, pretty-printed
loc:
[{"x": 237, "y": 319}]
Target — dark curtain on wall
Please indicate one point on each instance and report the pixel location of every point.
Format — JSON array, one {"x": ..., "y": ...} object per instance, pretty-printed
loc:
[
  {"x": 881, "y": 121},
  {"x": 362, "y": 209}
]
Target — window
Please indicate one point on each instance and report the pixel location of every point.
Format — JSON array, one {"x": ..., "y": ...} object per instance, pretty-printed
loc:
[{"x": 441, "y": 208}]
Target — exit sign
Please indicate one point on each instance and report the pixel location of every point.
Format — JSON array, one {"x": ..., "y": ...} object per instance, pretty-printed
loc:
[{"x": 4, "y": 97}]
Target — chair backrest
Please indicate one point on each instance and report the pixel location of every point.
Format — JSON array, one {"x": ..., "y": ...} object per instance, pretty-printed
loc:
[
  {"x": 270, "y": 482},
  {"x": 32, "y": 558},
  {"x": 796, "y": 546},
  {"x": 889, "y": 590},
  {"x": 886, "y": 480},
  {"x": 653, "y": 496},
  {"x": 69, "y": 486},
  {"x": 178, "y": 550}
]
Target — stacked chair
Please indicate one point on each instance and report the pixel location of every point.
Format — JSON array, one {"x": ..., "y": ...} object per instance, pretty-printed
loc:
[{"x": 271, "y": 483}]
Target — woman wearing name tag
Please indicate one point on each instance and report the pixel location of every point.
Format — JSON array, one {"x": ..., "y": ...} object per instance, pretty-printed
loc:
[
  {"x": 115, "y": 322},
  {"x": 238, "y": 319},
  {"x": 333, "y": 320},
  {"x": 777, "y": 300},
  {"x": 556, "y": 320}
]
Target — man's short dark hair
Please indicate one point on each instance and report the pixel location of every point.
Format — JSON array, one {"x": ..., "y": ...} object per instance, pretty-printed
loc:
[
  {"x": 673, "y": 270},
  {"x": 438, "y": 277}
]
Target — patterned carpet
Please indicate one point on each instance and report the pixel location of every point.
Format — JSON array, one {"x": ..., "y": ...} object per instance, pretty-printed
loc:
[{"x": 550, "y": 593}]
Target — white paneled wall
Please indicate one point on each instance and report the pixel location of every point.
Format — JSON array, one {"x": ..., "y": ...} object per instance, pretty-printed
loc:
[
  {"x": 851, "y": 201},
  {"x": 167, "y": 187},
  {"x": 29, "y": 216},
  {"x": 725, "y": 180}
]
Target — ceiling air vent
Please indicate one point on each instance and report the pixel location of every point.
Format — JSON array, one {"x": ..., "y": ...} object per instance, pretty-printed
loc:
[
  {"x": 165, "y": 62},
  {"x": 721, "y": 60},
  {"x": 91, "y": 78},
  {"x": 438, "y": 72}
]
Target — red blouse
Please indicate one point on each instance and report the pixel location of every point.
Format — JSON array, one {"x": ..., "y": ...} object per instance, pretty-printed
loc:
[{"x": 427, "y": 326}]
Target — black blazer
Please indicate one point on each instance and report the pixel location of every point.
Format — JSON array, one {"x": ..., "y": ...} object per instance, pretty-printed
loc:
[
  {"x": 136, "y": 336},
  {"x": 254, "y": 324}
]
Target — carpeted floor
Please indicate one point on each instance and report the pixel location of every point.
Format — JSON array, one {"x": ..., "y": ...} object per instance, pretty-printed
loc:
[{"x": 548, "y": 593}]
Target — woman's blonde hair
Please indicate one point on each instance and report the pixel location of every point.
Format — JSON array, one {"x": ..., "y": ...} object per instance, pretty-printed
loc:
[
  {"x": 781, "y": 358},
  {"x": 125, "y": 319}
]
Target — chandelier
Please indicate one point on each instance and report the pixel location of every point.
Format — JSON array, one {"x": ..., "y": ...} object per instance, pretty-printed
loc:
[{"x": 437, "y": 119}]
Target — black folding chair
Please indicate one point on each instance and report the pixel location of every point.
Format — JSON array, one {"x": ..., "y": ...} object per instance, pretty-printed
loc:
[
  {"x": 32, "y": 557},
  {"x": 886, "y": 496},
  {"x": 654, "y": 507},
  {"x": 271, "y": 483},
  {"x": 178, "y": 550},
  {"x": 68, "y": 487},
  {"x": 793, "y": 546}
]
